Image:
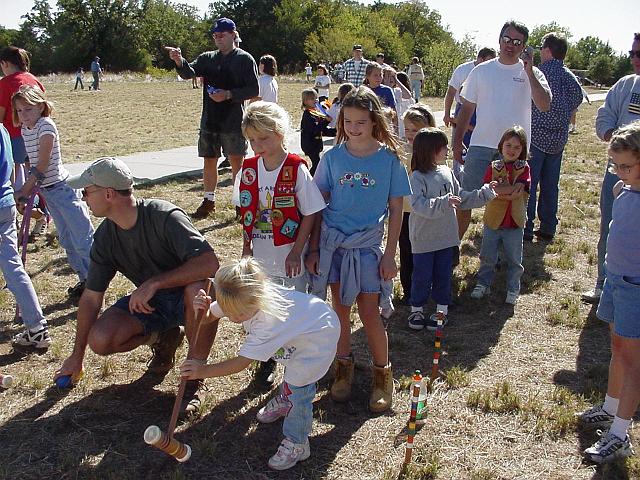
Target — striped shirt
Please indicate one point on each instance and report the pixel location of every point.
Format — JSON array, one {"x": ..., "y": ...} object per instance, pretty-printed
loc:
[
  {"x": 55, "y": 170},
  {"x": 355, "y": 74}
]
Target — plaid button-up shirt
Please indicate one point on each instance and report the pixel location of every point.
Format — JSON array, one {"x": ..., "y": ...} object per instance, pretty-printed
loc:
[{"x": 353, "y": 74}]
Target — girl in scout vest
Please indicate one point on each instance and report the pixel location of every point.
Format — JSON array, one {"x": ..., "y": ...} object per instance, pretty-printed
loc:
[
  {"x": 363, "y": 181},
  {"x": 278, "y": 202},
  {"x": 505, "y": 216}
]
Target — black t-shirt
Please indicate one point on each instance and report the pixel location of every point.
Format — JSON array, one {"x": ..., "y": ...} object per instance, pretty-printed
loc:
[
  {"x": 235, "y": 71},
  {"x": 162, "y": 239}
]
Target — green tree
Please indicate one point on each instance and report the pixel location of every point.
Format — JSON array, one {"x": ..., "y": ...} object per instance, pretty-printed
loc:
[
  {"x": 587, "y": 48},
  {"x": 600, "y": 68},
  {"x": 441, "y": 61}
]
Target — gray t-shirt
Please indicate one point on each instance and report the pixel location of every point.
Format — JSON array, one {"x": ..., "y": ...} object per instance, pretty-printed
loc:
[
  {"x": 162, "y": 239},
  {"x": 623, "y": 246}
]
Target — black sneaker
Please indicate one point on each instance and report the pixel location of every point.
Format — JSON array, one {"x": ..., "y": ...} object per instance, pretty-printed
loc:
[
  {"x": 547, "y": 237},
  {"x": 164, "y": 350},
  {"x": 75, "y": 292},
  {"x": 265, "y": 374},
  {"x": 192, "y": 398}
]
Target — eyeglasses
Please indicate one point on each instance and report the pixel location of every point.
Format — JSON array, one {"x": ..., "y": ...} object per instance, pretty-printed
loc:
[
  {"x": 618, "y": 167},
  {"x": 86, "y": 193},
  {"x": 516, "y": 41},
  {"x": 634, "y": 53}
]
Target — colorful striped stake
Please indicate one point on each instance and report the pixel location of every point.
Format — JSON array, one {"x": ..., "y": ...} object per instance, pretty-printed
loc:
[
  {"x": 411, "y": 426},
  {"x": 437, "y": 347}
]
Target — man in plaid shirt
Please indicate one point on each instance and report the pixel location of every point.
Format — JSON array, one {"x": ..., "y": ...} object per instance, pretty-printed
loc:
[{"x": 355, "y": 67}]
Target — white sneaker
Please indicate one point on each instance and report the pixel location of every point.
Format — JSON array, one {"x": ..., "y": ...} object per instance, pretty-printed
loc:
[
  {"x": 480, "y": 291},
  {"x": 609, "y": 448},
  {"x": 27, "y": 338},
  {"x": 289, "y": 454},
  {"x": 596, "y": 417},
  {"x": 40, "y": 227},
  {"x": 512, "y": 298},
  {"x": 277, "y": 407},
  {"x": 592, "y": 296}
]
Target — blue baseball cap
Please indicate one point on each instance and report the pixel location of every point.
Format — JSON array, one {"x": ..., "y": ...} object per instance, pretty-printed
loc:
[{"x": 223, "y": 25}]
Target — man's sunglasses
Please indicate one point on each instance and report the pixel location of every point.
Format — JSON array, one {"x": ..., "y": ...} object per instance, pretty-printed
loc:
[{"x": 516, "y": 41}]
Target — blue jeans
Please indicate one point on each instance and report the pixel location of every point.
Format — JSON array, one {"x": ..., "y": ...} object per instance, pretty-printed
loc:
[
  {"x": 297, "y": 424},
  {"x": 16, "y": 277},
  {"x": 432, "y": 277},
  {"x": 475, "y": 166},
  {"x": 71, "y": 217},
  {"x": 620, "y": 303},
  {"x": 416, "y": 86},
  {"x": 545, "y": 172},
  {"x": 511, "y": 240},
  {"x": 606, "y": 206}
]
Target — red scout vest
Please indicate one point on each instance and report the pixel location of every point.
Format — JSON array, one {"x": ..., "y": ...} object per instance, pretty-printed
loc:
[
  {"x": 496, "y": 209},
  {"x": 285, "y": 217}
]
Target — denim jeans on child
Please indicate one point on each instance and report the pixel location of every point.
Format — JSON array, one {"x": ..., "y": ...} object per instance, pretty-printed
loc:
[
  {"x": 432, "y": 277},
  {"x": 71, "y": 217},
  {"x": 606, "y": 206},
  {"x": 545, "y": 173},
  {"x": 511, "y": 240},
  {"x": 16, "y": 277},
  {"x": 297, "y": 424}
]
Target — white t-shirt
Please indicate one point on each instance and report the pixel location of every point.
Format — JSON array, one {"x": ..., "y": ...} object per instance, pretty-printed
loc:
[
  {"x": 402, "y": 105},
  {"x": 308, "y": 70},
  {"x": 268, "y": 88},
  {"x": 459, "y": 75},
  {"x": 304, "y": 342},
  {"x": 334, "y": 111},
  {"x": 322, "y": 84},
  {"x": 309, "y": 200},
  {"x": 44, "y": 126},
  {"x": 502, "y": 94}
]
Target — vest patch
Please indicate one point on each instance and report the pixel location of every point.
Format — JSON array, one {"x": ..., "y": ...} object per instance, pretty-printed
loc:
[
  {"x": 284, "y": 202},
  {"x": 249, "y": 176},
  {"x": 289, "y": 228}
]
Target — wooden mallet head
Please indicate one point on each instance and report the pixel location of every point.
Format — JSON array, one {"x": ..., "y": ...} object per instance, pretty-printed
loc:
[{"x": 157, "y": 438}]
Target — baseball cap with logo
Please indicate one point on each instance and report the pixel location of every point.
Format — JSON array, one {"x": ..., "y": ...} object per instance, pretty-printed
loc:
[
  {"x": 107, "y": 172},
  {"x": 223, "y": 25}
]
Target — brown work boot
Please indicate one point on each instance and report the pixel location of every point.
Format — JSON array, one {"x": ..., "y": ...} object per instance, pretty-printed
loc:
[
  {"x": 193, "y": 397},
  {"x": 343, "y": 378},
  {"x": 164, "y": 350},
  {"x": 381, "y": 389},
  {"x": 206, "y": 208}
]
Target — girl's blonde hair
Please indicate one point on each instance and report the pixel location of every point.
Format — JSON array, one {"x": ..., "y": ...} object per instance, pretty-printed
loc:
[
  {"x": 266, "y": 117},
  {"x": 518, "y": 132},
  {"x": 420, "y": 115},
  {"x": 307, "y": 94},
  {"x": 427, "y": 144},
  {"x": 627, "y": 139},
  {"x": 32, "y": 95},
  {"x": 242, "y": 288},
  {"x": 371, "y": 66},
  {"x": 363, "y": 98}
]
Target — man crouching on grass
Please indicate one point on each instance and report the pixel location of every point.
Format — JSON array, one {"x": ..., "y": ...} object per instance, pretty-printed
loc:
[{"x": 154, "y": 245}]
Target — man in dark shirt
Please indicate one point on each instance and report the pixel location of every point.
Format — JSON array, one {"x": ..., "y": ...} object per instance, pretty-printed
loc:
[
  {"x": 230, "y": 77},
  {"x": 155, "y": 246}
]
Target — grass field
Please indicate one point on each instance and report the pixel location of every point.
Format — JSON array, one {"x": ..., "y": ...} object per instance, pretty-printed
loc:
[{"x": 512, "y": 378}]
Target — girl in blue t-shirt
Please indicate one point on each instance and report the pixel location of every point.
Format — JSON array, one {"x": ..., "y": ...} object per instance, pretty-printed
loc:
[
  {"x": 363, "y": 182},
  {"x": 620, "y": 303}
]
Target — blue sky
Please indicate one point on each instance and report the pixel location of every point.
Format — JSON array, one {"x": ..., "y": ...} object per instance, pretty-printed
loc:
[{"x": 482, "y": 18}]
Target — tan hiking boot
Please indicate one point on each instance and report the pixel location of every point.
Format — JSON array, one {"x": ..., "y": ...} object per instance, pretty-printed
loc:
[
  {"x": 164, "y": 350},
  {"x": 381, "y": 389},
  {"x": 343, "y": 378},
  {"x": 206, "y": 208}
]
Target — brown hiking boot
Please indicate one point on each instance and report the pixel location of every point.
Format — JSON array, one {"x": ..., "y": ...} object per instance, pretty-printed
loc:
[
  {"x": 164, "y": 350},
  {"x": 193, "y": 397},
  {"x": 381, "y": 389},
  {"x": 341, "y": 387},
  {"x": 206, "y": 208}
]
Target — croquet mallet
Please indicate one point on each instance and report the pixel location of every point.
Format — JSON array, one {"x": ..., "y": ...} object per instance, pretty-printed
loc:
[{"x": 165, "y": 441}]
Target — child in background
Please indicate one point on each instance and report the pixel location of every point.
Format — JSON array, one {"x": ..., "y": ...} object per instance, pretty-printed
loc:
[
  {"x": 416, "y": 118},
  {"x": 373, "y": 79},
  {"x": 70, "y": 215},
  {"x": 401, "y": 93},
  {"x": 363, "y": 182},
  {"x": 278, "y": 204},
  {"x": 620, "y": 303},
  {"x": 36, "y": 333},
  {"x": 296, "y": 329},
  {"x": 433, "y": 228},
  {"x": 268, "y": 86},
  {"x": 308, "y": 70},
  {"x": 505, "y": 216},
  {"x": 323, "y": 83},
  {"x": 312, "y": 126},
  {"x": 334, "y": 110},
  {"x": 79, "y": 75}
]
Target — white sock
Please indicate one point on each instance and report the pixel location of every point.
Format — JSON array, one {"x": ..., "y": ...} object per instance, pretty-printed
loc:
[
  {"x": 210, "y": 196},
  {"x": 619, "y": 427},
  {"x": 442, "y": 308},
  {"x": 610, "y": 405},
  {"x": 416, "y": 309}
]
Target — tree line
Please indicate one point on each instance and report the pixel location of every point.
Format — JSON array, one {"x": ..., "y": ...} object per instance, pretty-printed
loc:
[{"x": 130, "y": 34}]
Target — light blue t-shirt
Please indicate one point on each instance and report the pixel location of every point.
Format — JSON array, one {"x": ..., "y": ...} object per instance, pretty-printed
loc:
[
  {"x": 360, "y": 187},
  {"x": 6, "y": 167},
  {"x": 623, "y": 245}
]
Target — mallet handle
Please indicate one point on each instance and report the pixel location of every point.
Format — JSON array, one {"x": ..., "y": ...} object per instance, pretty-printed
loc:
[{"x": 183, "y": 381}]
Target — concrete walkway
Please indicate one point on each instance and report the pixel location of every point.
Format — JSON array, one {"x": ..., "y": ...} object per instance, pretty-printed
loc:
[{"x": 153, "y": 167}]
